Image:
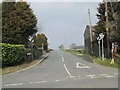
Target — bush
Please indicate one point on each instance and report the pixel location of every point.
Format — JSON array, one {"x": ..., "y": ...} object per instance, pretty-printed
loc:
[{"x": 12, "y": 54}]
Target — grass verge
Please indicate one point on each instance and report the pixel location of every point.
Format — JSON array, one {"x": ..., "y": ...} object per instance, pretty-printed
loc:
[
  {"x": 72, "y": 51},
  {"x": 12, "y": 69},
  {"x": 106, "y": 61},
  {"x": 97, "y": 60}
]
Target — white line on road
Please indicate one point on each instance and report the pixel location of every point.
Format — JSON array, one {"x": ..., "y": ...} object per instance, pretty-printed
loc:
[
  {"x": 39, "y": 82},
  {"x": 109, "y": 76},
  {"x": 90, "y": 75},
  {"x": 81, "y": 65},
  {"x": 60, "y": 54},
  {"x": 65, "y": 66},
  {"x": 57, "y": 80},
  {"x": 67, "y": 70},
  {"x": 13, "y": 84},
  {"x": 103, "y": 74},
  {"x": 63, "y": 59}
]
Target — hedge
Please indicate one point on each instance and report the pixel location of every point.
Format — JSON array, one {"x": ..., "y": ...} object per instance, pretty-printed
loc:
[{"x": 12, "y": 54}]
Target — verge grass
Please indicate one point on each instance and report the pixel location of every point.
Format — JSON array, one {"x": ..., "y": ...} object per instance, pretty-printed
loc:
[
  {"x": 72, "y": 51},
  {"x": 12, "y": 69},
  {"x": 105, "y": 62},
  {"x": 97, "y": 60}
]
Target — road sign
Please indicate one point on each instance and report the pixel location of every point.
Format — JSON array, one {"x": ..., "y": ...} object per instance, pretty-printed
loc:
[
  {"x": 28, "y": 53},
  {"x": 101, "y": 36},
  {"x": 99, "y": 42},
  {"x": 116, "y": 44}
]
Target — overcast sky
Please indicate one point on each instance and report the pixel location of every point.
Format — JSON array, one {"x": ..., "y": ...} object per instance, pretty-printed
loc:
[{"x": 64, "y": 22}]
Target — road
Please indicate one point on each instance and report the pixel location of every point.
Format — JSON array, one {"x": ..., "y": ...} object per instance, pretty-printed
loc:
[{"x": 63, "y": 70}]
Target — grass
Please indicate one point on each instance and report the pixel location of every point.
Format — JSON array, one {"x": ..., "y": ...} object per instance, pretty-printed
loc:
[
  {"x": 97, "y": 60},
  {"x": 106, "y": 61},
  {"x": 12, "y": 69},
  {"x": 72, "y": 51},
  {"x": 8, "y": 70}
]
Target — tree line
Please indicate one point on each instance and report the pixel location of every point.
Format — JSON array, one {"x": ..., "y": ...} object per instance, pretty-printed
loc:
[
  {"x": 19, "y": 29},
  {"x": 19, "y": 24},
  {"x": 113, "y": 23}
]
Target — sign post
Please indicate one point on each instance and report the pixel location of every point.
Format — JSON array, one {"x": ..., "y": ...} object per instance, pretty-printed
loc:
[
  {"x": 114, "y": 48},
  {"x": 98, "y": 38},
  {"x": 112, "y": 61},
  {"x": 101, "y": 35}
]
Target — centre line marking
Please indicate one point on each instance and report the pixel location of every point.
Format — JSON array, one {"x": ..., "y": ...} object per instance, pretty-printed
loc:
[
  {"x": 60, "y": 54},
  {"x": 65, "y": 66},
  {"x": 67, "y": 70},
  {"x": 63, "y": 59}
]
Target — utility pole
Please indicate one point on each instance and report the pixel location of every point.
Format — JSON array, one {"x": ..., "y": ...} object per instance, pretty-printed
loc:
[
  {"x": 90, "y": 31},
  {"x": 107, "y": 30}
]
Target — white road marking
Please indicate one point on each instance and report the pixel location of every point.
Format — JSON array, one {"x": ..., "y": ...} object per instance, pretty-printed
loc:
[
  {"x": 63, "y": 59},
  {"x": 60, "y": 54},
  {"x": 90, "y": 75},
  {"x": 13, "y": 84},
  {"x": 109, "y": 76},
  {"x": 65, "y": 66},
  {"x": 57, "y": 80},
  {"x": 39, "y": 82},
  {"x": 74, "y": 76},
  {"x": 67, "y": 70},
  {"x": 103, "y": 74},
  {"x": 81, "y": 65}
]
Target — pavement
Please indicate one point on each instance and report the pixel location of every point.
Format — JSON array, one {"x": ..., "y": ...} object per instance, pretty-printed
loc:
[{"x": 63, "y": 70}]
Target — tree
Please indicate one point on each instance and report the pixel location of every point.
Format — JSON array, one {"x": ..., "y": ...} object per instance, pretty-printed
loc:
[
  {"x": 114, "y": 21},
  {"x": 0, "y": 22},
  {"x": 18, "y": 22},
  {"x": 40, "y": 39},
  {"x": 61, "y": 47}
]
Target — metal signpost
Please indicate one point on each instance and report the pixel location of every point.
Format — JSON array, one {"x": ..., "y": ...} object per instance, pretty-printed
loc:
[
  {"x": 101, "y": 36},
  {"x": 98, "y": 38},
  {"x": 32, "y": 48}
]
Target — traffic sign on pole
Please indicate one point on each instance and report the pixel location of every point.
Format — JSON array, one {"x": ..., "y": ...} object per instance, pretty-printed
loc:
[{"x": 116, "y": 45}]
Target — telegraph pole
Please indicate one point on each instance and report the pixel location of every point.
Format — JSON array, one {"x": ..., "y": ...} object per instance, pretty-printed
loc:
[
  {"x": 90, "y": 31},
  {"x": 107, "y": 30}
]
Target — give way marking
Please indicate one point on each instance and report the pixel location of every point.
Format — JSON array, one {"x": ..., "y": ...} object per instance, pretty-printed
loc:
[{"x": 80, "y": 65}]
